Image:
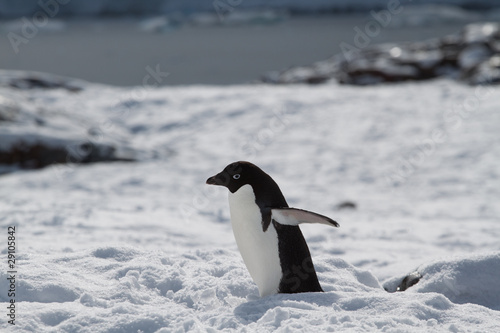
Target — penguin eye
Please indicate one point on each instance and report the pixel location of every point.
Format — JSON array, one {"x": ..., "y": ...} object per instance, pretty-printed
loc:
[{"x": 236, "y": 176}]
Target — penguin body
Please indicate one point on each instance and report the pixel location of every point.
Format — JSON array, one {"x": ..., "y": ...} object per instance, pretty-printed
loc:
[
  {"x": 266, "y": 231},
  {"x": 259, "y": 249}
]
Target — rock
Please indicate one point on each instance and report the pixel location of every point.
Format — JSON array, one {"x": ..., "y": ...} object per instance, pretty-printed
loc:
[
  {"x": 409, "y": 280},
  {"x": 470, "y": 56},
  {"x": 488, "y": 72},
  {"x": 346, "y": 205},
  {"x": 364, "y": 72},
  {"x": 473, "y": 55},
  {"x": 35, "y": 134},
  {"x": 39, "y": 154},
  {"x": 35, "y": 80}
]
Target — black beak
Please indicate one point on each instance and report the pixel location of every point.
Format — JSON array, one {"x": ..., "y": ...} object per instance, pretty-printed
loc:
[
  {"x": 211, "y": 181},
  {"x": 218, "y": 179}
]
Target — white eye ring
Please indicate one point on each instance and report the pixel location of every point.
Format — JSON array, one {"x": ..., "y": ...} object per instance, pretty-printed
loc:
[{"x": 236, "y": 176}]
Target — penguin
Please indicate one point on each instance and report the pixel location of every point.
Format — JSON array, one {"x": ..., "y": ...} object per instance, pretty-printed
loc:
[{"x": 267, "y": 232}]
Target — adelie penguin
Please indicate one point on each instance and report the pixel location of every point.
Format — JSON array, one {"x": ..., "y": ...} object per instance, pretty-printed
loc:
[{"x": 266, "y": 231}]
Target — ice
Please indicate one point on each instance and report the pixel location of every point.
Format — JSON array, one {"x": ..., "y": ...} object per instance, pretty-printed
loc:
[{"x": 147, "y": 246}]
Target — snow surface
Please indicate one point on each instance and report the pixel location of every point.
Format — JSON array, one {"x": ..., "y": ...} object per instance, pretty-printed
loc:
[
  {"x": 25, "y": 122},
  {"x": 148, "y": 247}
]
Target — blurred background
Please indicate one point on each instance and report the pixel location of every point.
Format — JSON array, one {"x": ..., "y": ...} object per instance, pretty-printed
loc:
[
  {"x": 118, "y": 231},
  {"x": 208, "y": 42}
]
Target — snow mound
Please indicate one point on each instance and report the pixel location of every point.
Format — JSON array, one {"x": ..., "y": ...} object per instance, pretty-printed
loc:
[
  {"x": 106, "y": 286},
  {"x": 126, "y": 289},
  {"x": 468, "y": 279}
]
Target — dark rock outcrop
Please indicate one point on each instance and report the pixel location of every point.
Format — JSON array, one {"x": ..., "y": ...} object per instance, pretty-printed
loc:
[
  {"x": 37, "y": 80},
  {"x": 471, "y": 56},
  {"x": 33, "y": 135},
  {"x": 39, "y": 154}
]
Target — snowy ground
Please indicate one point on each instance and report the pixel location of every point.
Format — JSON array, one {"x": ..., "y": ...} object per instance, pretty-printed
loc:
[{"x": 148, "y": 247}]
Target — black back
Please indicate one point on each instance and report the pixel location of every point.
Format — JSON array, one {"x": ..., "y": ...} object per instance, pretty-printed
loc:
[
  {"x": 299, "y": 275},
  {"x": 298, "y": 270}
]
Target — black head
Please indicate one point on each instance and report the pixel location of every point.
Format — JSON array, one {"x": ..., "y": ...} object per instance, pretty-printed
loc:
[
  {"x": 267, "y": 192},
  {"x": 237, "y": 174}
]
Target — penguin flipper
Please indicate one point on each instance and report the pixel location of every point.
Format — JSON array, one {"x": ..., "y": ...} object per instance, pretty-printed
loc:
[{"x": 295, "y": 216}]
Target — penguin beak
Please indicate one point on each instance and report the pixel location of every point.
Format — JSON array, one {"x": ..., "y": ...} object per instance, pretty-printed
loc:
[
  {"x": 218, "y": 179},
  {"x": 212, "y": 181}
]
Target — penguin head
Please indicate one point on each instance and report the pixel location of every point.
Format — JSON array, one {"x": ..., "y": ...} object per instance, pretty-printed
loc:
[{"x": 235, "y": 175}]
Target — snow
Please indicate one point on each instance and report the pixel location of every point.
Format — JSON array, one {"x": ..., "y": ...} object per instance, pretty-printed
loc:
[
  {"x": 147, "y": 246},
  {"x": 462, "y": 280}
]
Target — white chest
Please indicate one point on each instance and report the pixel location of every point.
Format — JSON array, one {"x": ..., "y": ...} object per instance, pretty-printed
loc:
[{"x": 259, "y": 249}]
